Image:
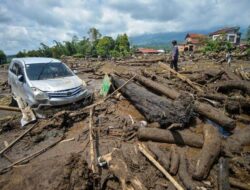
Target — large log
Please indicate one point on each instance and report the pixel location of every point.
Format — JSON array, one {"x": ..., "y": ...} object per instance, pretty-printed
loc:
[
  {"x": 185, "y": 177},
  {"x": 210, "y": 151},
  {"x": 181, "y": 137},
  {"x": 162, "y": 156},
  {"x": 215, "y": 115},
  {"x": 231, "y": 75},
  {"x": 159, "y": 88},
  {"x": 233, "y": 104},
  {"x": 156, "y": 108},
  {"x": 161, "y": 59},
  {"x": 202, "y": 108},
  {"x": 118, "y": 167},
  {"x": 157, "y": 164},
  {"x": 175, "y": 160},
  {"x": 228, "y": 86},
  {"x": 236, "y": 142},
  {"x": 235, "y": 183}
]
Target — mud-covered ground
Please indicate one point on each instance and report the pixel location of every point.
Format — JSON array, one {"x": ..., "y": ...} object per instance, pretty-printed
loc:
[{"x": 67, "y": 164}]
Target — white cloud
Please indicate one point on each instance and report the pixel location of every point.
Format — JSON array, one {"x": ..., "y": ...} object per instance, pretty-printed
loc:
[{"x": 26, "y": 23}]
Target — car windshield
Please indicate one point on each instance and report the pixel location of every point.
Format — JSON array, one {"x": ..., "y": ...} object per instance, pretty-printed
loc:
[{"x": 43, "y": 71}]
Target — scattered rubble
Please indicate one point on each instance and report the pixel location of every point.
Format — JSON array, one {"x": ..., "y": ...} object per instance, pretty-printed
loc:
[{"x": 162, "y": 130}]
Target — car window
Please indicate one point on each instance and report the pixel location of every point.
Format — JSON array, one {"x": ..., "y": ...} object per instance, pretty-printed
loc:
[
  {"x": 43, "y": 71},
  {"x": 14, "y": 68},
  {"x": 19, "y": 70}
]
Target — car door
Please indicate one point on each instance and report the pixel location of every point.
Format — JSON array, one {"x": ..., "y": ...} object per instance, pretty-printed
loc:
[
  {"x": 13, "y": 79},
  {"x": 21, "y": 85}
]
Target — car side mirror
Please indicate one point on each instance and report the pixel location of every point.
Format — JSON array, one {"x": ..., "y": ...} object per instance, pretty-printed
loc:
[
  {"x": 20, "y": 78},
  {"x": 75, "y": 71}
]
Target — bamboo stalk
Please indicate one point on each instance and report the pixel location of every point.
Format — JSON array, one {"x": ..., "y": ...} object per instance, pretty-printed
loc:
[{"x": 91, "y": 151}]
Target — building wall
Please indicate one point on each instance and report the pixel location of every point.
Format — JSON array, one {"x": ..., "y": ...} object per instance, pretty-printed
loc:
[{"x": 231, "y": 37}]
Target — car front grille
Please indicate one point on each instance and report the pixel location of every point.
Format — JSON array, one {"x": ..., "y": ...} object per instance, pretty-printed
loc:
[{"x": 65, "y": 93}]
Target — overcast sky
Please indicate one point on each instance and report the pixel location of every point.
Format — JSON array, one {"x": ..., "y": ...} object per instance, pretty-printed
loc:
[{"x": 26, "y": 23}]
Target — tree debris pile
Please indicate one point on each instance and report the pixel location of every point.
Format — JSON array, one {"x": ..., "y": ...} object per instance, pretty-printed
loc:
[{"x": 156, "y": 129}]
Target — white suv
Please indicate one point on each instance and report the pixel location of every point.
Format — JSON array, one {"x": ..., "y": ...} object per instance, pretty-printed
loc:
[{"x": 42, "y": 82}]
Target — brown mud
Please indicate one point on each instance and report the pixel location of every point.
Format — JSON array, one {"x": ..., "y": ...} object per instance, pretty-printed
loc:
[{"x": 116, "y": 122}]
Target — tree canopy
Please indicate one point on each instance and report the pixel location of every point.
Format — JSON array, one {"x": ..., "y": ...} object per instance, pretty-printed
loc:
[
  {"x": 93, "y": 46},
  {"x": 248, "y": 33},
  {"x": 3, "y": 57}
]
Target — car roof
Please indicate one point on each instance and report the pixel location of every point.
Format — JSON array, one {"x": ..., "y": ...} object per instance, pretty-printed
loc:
[{"x": 34, "y": 60}]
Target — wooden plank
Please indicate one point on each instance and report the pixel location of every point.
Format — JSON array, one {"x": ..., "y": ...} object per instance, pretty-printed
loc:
[{"x": 8, "y": 108}]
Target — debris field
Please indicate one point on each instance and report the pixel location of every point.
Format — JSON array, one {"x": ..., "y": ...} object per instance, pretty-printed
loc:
[{"x": 156, "y": 129}]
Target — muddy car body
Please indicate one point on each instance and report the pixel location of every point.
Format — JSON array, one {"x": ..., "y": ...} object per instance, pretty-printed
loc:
[{"x": 42, "y": 82}]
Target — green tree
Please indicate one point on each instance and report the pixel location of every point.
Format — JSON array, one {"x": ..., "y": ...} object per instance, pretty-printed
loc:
[
  {"x": 220, "y": 44},
  {"x": 3, "y": 57},
  {"x": 122, "y": 42},
  {"x": 21, "y": 54},
  {"x": 248, "y": 33},
  {"x": 104, "y": 46},
  {"x": 44, "y": 50},
  {"x": 58, "y": 49},
  {"x": 94, "y": 34}
]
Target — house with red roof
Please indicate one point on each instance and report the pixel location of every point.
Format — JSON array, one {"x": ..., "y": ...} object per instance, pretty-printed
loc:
[
  {"x": 196, "y": 39},
  {"x": 145, "y": 51},
  {"x": 192, "y": 42}
]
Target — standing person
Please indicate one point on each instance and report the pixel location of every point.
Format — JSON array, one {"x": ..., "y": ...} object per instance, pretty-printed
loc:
[
  {"x": 229, "y": 57},
  {"x": 175, "y": 55}
]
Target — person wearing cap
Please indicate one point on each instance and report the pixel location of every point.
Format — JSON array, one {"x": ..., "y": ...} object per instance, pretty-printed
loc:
[{"x": 175, "y": 55}]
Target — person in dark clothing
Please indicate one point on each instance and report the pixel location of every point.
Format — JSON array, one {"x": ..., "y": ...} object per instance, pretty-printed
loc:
[{"x": 175, "y": 55}]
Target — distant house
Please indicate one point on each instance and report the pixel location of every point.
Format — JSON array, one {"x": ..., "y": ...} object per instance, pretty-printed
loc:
[
  {"x": 146, "y": 51},
  {"x": 197, "y": 39},
  {"x": 192, "y": 42},
  {"x": 231, "y": 34}
]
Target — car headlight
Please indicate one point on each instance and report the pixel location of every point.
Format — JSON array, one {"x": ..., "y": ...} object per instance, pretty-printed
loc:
[
  {"x": 40, "y": 95},
  {"x": 84, "y": 83}
]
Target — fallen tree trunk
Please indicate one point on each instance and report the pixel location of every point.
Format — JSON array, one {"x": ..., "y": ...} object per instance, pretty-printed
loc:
[
  {"x": 235, "y": 183},
  {"x": 216, "y": 77},
  {"x": 159, "y": 88},
  {"x": 228, "y": 86},
  {"x": 210, "y": 151},
  {"x": 202, "y": 108},
  {"x": 175, "y": 160},
  {"x": 166, "y": 174},
  {"x": 236, "y": 142},
  {"x": 120, "y": 169},
  {"x": 182, "y": 137},
  {"x": 185, "y": 177},
  {"x": 162, "y": 156},
  {"x": 234, "y": 104},
  {"x": 161, "y": 59},
  {"x": 215, "y": 115},
  {"x": 230, "y": 74},
  {"x": 156, "y": 108}
]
